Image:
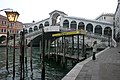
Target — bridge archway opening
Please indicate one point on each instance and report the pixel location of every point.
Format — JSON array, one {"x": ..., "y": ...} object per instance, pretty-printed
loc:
[
  {"x": 35, "y": 28},
  {"x": 30, "y": 30},
  {"x": 73, "y": 25},
  {"x": 66, "y": 24},
  {"x": 98, "y": 29},
  {"x": 108, "y": 31},
  {"x": 81, "y": 25},
  {"x": 46, "y": 23},
  {"x": 56, "y": 18},
  {"x": 89, "y": 27},
  {"x": 26, "y": 31},
  {"x": 40, "y": 26}
]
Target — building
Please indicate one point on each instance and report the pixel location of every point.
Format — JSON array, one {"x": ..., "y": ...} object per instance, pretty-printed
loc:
[
  {"x": 117, "y": 21},
  {"x": 106, "y": 17},
  {"x": 13, "y": 27}
]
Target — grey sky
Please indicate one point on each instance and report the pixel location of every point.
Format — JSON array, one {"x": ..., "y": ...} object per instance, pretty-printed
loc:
[{"x": 39, "y": 9}]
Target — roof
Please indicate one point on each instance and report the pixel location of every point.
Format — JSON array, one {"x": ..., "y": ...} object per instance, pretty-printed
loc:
[
  {"x": 57, "y": 11},
  {"x": 105, "y": 14},
  {"x": 117, "y": 8},
  {"x": 104, "y": 22},
  {"x": 2, "y": 17}
]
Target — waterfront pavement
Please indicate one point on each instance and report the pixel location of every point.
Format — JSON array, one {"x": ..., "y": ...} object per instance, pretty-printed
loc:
[{"x": 105, "y": 67}]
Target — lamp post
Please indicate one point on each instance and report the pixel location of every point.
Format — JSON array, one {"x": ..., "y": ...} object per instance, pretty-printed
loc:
[{"x": 12, "y": 16}]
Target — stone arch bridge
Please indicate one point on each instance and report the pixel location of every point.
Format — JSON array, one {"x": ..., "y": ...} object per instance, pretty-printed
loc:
[{"x": 61, "y": 22}]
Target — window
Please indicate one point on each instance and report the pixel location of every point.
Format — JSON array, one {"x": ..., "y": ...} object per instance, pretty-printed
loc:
[
  {"x": 10, "y": 31},
  {"x": 12, "y": 24},
  {"x": 4, "y": 30},
  {"x": 4, "y": 23},
  {"x": 1, "y": 30}
]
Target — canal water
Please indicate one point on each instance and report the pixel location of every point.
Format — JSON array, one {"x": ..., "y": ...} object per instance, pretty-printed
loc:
[{"x": 53, "y": 70}]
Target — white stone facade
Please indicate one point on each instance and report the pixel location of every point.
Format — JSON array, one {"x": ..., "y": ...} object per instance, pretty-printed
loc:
[
  {"x": 117, "y": 21},
  {"x": 58, "y": 18}
]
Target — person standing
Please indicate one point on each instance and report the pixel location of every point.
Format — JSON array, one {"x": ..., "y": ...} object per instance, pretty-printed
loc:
[{"x": 94, "y": 50}]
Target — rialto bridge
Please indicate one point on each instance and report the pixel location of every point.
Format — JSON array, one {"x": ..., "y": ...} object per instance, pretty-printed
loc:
[{"x": 60, "y": 21}]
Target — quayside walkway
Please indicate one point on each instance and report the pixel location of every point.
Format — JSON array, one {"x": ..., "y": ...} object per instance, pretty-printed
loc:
[{"x": 105, "y": 67}]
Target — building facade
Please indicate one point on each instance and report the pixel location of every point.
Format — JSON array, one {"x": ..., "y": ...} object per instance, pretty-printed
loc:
[
  {"x": 65, "y": 22},
  {"x": 117, "y": 21},
  {"x": 109, "y": 17},
  {"x": 13, "y": 27}
]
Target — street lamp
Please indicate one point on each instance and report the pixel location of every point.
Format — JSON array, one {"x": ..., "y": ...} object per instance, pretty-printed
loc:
[{"x": 12, "y": 16}]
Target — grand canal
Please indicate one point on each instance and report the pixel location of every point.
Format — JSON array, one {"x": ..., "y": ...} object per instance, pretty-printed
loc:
[{"x": 53, "y": 70}]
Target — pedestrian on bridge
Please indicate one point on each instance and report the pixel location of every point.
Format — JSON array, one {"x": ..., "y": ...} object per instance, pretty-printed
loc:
[{"x": 94, "y": 50}]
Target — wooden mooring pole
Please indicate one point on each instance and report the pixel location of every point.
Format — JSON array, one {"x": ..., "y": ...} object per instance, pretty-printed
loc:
[
  {"x": 43, "y": 55},
  {"x": 72, "y": 45},
  {"x": 31, "y": 57},
  {"x": 77, "y": 48},
  {"x": 7, "y": 50},
  {"x": 64, "y": 44},
  {"x": 22, "y": 43},
  {"x": 40, "y": 49},
  {"x": 56, "y": 45},
  {"x": 13, "y": 56},
  {"x": 49, "y": 49}
]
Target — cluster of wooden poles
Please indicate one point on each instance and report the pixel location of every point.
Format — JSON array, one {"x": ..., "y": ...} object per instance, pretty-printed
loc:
[{"x": 23, "y": 56}]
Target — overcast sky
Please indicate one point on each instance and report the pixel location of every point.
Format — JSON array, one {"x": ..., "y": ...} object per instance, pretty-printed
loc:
[{"x": 38, "y": 10}]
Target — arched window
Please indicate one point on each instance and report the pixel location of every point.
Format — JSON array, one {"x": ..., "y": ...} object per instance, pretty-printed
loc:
[
  {"x": 89, "y": 27},
  {"x": 66, "y": 24},
  {"x": 46, "y": 23},
  {"x": 40, "y": 26},
  {"x": 108, "y": 31},
  {"x": 56, "y": 18},
  {"x": 98, "y": 29},
  {"x": 30, "y": 30},
  {"x": 73, "y": 25},
  {"x": 81, "y": 25},
  {"x": 35, "y": 28}
]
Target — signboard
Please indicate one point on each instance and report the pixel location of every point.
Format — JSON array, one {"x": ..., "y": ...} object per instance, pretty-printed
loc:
[{"x": 70, "y": 33}]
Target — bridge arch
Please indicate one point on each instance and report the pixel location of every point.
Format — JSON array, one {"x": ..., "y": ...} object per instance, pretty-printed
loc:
[
  {"x": 46, "y": 23},
  {"x": 81, "y": 25},
  {"x": 35, "y": 28},
  {"x": 66, "y": 24},
  {"x": 98, "y": 29},
  {"x": 108, "y": 31},
  {"x": 73, "y": 25},
  {"x": 40, "y": 26},
  {"x": 89, "y": 27},
  {"x": 30, "y": 30},
  {"x": 56, "y": 18},
  {"x": 26, "y": 31}
]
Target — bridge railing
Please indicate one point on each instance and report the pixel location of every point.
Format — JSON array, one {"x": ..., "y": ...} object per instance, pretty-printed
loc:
[{"x": 33, "y": 33}]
